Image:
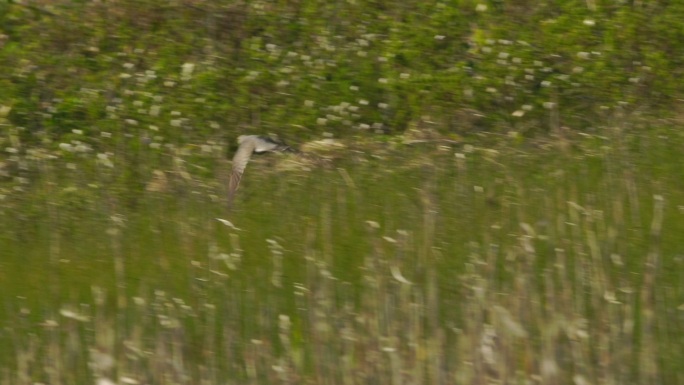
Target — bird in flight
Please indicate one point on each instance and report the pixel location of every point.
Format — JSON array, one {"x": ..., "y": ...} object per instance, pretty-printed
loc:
[{"x": 249, "y": 144}]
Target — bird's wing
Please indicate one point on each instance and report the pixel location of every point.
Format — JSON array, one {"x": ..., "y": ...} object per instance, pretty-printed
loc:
[{"x": 240, "y": 161}]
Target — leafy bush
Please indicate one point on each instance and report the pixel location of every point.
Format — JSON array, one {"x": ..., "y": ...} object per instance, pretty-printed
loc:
[{"x": 199, "y": 70}]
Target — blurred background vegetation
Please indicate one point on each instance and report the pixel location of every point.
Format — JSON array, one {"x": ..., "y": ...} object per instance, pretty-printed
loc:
[
  {"x": 197, "y": 70},
  {"x": 502, "y": 201}
]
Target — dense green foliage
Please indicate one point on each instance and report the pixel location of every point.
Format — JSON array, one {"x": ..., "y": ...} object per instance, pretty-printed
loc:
[{"x": 210, "y": 69}]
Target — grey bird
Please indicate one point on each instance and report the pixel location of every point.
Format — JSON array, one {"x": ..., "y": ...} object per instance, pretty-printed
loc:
[{"x": 248, "y": 145}]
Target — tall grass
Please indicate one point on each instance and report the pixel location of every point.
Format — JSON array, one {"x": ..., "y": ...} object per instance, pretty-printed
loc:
[{"x": 428, "y": 264}]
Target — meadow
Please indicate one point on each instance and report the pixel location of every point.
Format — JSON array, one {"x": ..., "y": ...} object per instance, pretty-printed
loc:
[
  {"x": 385, "y": 261},
  {"x": 490, "y": 192}
]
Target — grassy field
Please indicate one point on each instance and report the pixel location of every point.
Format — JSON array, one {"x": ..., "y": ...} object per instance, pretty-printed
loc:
[{"x": 500, "y": 261}]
